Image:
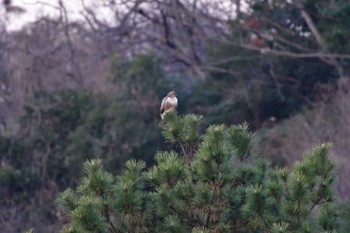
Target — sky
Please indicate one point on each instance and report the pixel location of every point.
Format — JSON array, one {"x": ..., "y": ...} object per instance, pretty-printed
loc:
[{"x": 36, "y": 8}]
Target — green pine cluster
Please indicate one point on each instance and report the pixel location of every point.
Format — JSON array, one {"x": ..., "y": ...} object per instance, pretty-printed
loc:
[{"x": 210, "y": 182}]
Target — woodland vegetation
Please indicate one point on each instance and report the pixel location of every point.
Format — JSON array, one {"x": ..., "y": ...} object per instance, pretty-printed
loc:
[{"x": 79, "y": 98}]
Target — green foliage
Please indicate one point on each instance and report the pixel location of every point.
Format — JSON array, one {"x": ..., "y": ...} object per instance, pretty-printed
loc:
[
  {"x": 60, "y": 130},
  {"x": 183, "y": 132},
  {"x": 222, "y": 187},
  {"x": 334, "y": 26},
  {"x": 344, "y": 215},
  {"x": 258, "y": 85}
]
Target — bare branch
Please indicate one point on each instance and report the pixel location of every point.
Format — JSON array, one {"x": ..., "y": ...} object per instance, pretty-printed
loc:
[
  {"x": 73, "y": 63},
  {"x": 312, "y": 27},
  {"x": 285, "y": 53}
]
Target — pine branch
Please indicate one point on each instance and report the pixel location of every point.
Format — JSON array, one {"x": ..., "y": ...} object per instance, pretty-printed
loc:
[
  {"x": 208, "y": 218},
  {"x": 185, "y": 216},
  {"x": 183, "y": 150},
  {"x": 112, "y": 227}
]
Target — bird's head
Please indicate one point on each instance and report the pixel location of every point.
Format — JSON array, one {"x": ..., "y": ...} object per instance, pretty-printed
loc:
[{"x": 172, "y": 93}]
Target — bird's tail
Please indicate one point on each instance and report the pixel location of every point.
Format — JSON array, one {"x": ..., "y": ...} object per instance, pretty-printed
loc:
[
  {"x": 162, "y": 120},
  {"x": 161, "y": 123}
]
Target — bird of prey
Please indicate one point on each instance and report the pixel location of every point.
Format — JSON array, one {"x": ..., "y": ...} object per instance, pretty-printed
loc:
[{"x": 169, "y": 104}]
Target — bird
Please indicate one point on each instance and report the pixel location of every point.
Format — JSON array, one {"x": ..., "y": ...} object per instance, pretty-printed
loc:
[{"x": 169, "y": 104}]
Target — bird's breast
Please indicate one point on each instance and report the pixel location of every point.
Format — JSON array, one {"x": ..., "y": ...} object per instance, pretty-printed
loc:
[{"x": 173, "y": 101}]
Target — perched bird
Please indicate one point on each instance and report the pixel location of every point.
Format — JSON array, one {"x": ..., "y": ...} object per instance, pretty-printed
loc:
[{"x": 169, "y": 104}]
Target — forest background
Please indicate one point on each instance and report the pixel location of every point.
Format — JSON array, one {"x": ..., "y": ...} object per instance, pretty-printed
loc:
[{"x": 77, "y": 88}]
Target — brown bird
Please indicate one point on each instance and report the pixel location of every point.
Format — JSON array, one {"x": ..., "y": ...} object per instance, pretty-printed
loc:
[{"x": 169, "y": 104}]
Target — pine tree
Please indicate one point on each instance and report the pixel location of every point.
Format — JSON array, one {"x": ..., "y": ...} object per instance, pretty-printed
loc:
[{"x": 211, "y": 182}]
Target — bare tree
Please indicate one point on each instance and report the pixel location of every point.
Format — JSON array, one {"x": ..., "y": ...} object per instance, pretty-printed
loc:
[{"x": 184, "y": 30}]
